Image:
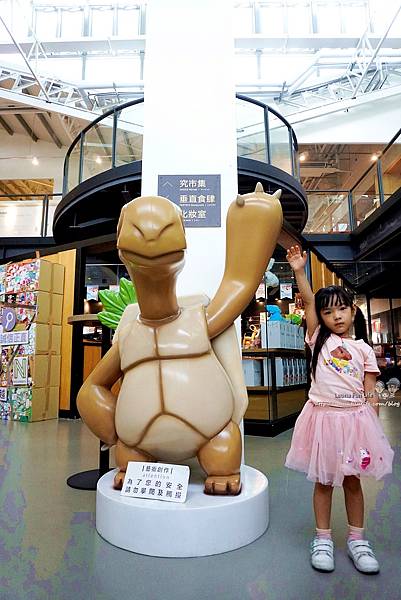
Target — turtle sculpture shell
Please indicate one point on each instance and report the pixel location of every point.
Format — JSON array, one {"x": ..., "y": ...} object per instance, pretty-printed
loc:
[{"x": 184, "y": 383}]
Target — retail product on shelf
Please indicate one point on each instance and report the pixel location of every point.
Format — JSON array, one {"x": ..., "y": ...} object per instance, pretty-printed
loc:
[
  {"x": 289, "y": 371},
  {"x": 282, "y": 334},
  {"x": 251, "y": 338},
  {"x": 3, "y": 270},
  {"x": 202, "y": 397},
  {"x": 30, "y": 337},
  {"x": 252, "y": 371},
  {"x": 274, "y": 313},
  {"x": 271, "y": 280}
]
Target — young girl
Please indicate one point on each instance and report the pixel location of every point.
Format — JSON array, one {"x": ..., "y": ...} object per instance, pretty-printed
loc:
[{"x": 338, "y": 436}]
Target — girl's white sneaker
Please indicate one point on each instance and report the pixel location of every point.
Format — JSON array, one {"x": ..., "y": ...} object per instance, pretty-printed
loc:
[
  {"x": 322, "y": 554},
  {"x": 363, "y": 557}
]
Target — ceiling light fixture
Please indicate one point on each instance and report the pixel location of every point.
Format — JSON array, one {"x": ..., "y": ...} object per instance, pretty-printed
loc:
[
  {"x": 35, "y": 161},
  {"x": 98, "y": 160},
  {"x": 374, "y": 157}
]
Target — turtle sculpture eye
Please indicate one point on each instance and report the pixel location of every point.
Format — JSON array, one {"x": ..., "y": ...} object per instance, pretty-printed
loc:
[
  {"x": 137, "y": 230},
  {"x": 166, "y": 227}
]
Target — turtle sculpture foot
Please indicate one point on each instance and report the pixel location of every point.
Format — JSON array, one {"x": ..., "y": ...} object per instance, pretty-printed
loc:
[
  {"x": 226, "y": 485},
  {"x": 119, "y": 480},
  {"x": 124, "y": 454},
  {"x": 220, "y": 458}
]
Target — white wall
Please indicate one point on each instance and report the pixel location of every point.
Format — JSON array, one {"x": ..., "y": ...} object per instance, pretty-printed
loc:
[
  {"x": 373, "y": 122},
  {"x": 16, "y": 154}
]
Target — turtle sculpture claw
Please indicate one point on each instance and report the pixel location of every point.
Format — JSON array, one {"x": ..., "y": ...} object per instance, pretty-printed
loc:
[{"x": 182, "y": 390}]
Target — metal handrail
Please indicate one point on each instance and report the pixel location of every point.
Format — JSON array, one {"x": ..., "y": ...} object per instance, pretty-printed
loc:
[{"x": 112, "y": 113}]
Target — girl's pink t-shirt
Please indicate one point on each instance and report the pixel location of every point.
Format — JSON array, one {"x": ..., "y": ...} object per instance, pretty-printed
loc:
[{"x": 340, "y": 370}]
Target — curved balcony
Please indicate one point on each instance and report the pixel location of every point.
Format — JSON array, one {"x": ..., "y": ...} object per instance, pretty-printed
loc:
[{"x": 103, "y": 167}]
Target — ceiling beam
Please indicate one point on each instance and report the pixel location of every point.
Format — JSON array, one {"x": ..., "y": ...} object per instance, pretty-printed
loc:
[
  {"x": 6, "y": 126},
  {"x": 64, "y": 122},
  {"x": 27, "y": 128},
  {"x": 372, "y": 58},
  {"x": 306, "y": 114},
  {"x": 14, "y": 110},
  {"x": 44, "y": 182},
  {"x": 23, "y": 186},
  {"x": 20, "y": 50},
  {"x": 33, "y": 101},
  {"x": 50, "y": 130},
  {"x": 314, "y": 41},
  {"x": 10, "y": 187},
  {"x": 3, "y": 189}
]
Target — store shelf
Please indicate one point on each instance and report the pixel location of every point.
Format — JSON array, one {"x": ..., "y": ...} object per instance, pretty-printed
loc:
[
  {"x": 284, "y": 388},
  {"x": 281, "y": 351}
]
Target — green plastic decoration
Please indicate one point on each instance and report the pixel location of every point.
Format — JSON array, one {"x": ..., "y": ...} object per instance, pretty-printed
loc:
[
  {"x": 294, "y": 318},
  {"x": 114, "y": 303}
]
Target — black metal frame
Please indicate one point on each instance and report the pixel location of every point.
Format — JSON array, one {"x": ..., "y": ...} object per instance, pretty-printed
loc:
[{"x": 77, "y": 358}]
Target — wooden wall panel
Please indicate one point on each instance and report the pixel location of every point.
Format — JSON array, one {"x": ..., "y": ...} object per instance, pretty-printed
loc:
[
  {"x": 67, "y": 259},
  {"x": 322, "y": 276},
  {"x": 317, "y": 273},
  {"x": 92, "y": 355}
]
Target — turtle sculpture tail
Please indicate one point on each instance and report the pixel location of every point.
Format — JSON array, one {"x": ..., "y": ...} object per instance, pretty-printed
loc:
[{"x": 221, "y": 460}]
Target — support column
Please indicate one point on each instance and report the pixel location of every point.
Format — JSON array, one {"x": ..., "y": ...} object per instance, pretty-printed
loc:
[{"x": 189, "y": 118}]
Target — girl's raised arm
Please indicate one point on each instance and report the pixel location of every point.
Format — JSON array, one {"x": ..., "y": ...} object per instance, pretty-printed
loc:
[{"x": 297, "y": 260}]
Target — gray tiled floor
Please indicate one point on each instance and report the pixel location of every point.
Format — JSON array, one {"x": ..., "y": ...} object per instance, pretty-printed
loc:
[{"x": 49, "y": 548}]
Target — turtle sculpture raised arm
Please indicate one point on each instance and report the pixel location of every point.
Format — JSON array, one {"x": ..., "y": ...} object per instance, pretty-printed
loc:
[{"x": 182, "y": 392}]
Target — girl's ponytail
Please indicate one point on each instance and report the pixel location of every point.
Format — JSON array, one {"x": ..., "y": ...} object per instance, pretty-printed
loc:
[{"x": 360, "y": 326}]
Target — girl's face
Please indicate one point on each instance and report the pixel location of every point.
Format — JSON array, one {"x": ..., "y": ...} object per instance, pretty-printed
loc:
[{"x": 338, "y": 318}]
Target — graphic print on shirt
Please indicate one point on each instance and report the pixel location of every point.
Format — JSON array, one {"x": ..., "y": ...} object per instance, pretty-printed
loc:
[{"x": 341, "y": 362}]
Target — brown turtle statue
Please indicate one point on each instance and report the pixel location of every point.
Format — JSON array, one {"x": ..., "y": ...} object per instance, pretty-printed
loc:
[{"x": 182, "y": 389}]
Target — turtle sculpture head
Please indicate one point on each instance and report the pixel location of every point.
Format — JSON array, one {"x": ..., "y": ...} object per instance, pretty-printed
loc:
[
  {"x": 151, "y": 243},
  {"x": 182, "y": 389},
  {"x": 150, "y": 229}
]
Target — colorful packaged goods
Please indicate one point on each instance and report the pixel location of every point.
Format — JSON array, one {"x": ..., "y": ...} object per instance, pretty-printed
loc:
[
  {"x": 5, "y": 406},
  {"x": 30, "y": 339},
  {"x": 20, "y": 399}
]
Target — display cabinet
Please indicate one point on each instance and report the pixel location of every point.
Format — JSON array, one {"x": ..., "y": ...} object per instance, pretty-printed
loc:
[{"x": 274, "y": 358}]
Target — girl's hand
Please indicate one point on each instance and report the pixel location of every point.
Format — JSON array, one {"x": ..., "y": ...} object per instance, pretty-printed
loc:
[{"x": 296, "y": 258}]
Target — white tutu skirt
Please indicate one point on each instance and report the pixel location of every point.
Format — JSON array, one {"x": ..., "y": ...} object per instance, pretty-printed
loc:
[{"x": 329, "y": 443}]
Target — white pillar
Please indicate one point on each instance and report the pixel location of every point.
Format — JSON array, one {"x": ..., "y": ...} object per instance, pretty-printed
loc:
[{"x": 189, "y": 118}]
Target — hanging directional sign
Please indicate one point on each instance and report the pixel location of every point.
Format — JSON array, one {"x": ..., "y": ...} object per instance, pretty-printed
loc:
[{"x": 198, "y": 196}]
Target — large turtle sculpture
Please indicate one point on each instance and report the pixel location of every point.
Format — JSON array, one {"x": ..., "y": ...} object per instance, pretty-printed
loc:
[{"x": 182, "y": 389}]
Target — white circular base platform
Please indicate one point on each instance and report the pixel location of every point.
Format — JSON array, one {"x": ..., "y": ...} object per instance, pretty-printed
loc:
[{"x": 201, "y": 526}]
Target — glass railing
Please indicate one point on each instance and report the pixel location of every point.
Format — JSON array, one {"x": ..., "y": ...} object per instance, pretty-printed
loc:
[
  {"x": 129, "y": 134},
  {"x": 340, "y": 211},
  {"x": 116, "y": 138},
  {"x": 365, "y": 196},
  {"x": 390, "y": 167},
  {"x": 27, "y": 215},
  {"x": 264, "y": 135},
  {"x": 328, "y": 212}
]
